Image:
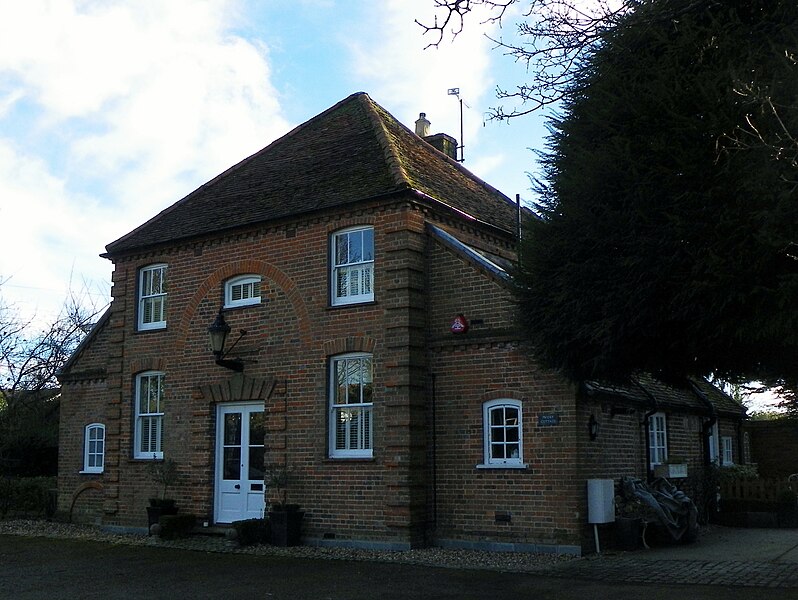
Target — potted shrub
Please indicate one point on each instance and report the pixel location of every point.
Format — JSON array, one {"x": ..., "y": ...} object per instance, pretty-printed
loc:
[
  {"x": 164, "y": 473},
  {"x": 285, "y": 520}
]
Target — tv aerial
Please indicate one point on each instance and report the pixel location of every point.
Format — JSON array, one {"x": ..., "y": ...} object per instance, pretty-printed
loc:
[{"x": 456, "y": 92}]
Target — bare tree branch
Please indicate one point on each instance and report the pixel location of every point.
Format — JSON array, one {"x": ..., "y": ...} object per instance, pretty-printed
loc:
[
  {"x": 554, "y": 41},
  {"x": 31, "y": 358}
]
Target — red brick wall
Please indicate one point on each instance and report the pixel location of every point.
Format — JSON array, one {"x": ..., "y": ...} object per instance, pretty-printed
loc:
[
  {"x": 290, "y": 339},
  {"x": 422, "y": 484},
  {"x": 482, "y": 365},
  {"x": 84, "y": 400}
]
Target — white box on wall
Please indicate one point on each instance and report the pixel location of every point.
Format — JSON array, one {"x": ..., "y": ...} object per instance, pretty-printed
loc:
[{"x": 600, "y": 501}]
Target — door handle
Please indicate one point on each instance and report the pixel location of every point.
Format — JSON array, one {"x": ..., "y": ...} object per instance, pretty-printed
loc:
[{"x": 238, "y": 487}]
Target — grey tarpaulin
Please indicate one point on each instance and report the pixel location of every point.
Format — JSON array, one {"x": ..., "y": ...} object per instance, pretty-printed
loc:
[{"x": 675, "y": 511}]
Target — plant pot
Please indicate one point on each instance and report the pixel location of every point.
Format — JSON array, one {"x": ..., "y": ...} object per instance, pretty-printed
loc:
[
  {"x": 286, "y": 527},
  {"x": 628, "y": 533},
  {"x": 159, "y": 508}
]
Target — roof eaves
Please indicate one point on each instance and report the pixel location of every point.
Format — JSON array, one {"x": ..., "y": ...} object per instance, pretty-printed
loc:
[
  {"x": 84, "y": 343},
  {"x": 461, "y": 213}
]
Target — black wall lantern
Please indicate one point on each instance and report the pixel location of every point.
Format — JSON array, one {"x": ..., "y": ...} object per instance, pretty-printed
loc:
[
  {"x": 592, "y": 427},
  {"x": 218, "y": 332}
]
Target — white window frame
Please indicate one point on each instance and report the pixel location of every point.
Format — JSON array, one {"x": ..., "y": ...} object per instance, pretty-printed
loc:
[
  {"x": 727, "y": 451},
  {"x": 249, "y": 291},
  {"x": 489, "y": 429},
  {"x": 359, "y": 267},
  {"x": 152, "y": 296},
  {"x": 658, "y": 439},
  {"x": 357, "y": 407},
  {"x": 94, "y": 448},
  {"x": 152, "y": 416}
]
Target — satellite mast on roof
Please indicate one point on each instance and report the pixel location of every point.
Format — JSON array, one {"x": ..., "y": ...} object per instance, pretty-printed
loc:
[{"x": 456, "y": 92}]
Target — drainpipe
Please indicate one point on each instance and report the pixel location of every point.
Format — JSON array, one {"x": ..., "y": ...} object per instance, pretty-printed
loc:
[
  {"x": 706, "y": 425},
  {"x": 434, "y": 454},
  {"x": 646, "y": 428}
]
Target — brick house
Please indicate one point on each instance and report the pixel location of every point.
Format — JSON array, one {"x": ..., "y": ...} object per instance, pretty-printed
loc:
[{"x": 380, "y": 363}]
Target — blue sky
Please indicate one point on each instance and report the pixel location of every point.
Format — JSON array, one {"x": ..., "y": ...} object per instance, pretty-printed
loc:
[{"x": 111, "y": 110}]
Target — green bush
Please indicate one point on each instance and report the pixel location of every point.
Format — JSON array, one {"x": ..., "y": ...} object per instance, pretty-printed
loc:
[
  {"x": 26, "y": 496},
  {"x": 252, "y": 531},
  {"x": 176, "y": 526},
  {"x": 733, "y": 472}
]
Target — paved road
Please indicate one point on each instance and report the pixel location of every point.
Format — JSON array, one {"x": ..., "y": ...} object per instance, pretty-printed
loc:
[{"x": 38, "y": 568}]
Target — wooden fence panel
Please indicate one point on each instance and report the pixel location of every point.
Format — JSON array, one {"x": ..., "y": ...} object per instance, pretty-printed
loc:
[{"x": 766, "y": 490}]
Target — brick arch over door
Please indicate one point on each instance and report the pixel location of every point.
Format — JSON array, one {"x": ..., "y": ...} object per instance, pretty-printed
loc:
[
  {"x": 239, "y": 387},
  {"x": 214, "y": 281}
]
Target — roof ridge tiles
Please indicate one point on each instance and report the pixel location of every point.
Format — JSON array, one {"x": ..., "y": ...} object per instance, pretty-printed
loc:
[{"x": 392, "y": 157}]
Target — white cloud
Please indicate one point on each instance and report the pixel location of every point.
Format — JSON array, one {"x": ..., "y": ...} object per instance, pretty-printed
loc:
[
  {"x": 44, "y": 237},
  {"x": 408, "y": 79},
  {"x": 129, "y": 107}
]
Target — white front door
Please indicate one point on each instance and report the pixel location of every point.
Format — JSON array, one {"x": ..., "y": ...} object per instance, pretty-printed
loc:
[{"x": 240, "y": 430}]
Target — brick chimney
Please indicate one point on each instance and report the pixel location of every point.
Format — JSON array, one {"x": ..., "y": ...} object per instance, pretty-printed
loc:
[
  {"x": 440, "y": 141},
  {"x": 422, "y": 125}
]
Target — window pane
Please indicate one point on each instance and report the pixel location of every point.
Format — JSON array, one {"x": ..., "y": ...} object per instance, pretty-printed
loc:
[
  {"x": 355, "y": 429},
  {"x": 497, "y": 450},
  {"x": 340, "y": 382},
  {"x": 367, "y": 279},
  {"x": 342, "y": 249},
  {"x": 510, "y": 416},
  {"x": 497, "y": 416},
  {"x": 256, "y": 463},
  {"x": 354, "y": 281},
  {"x": 157, "y": 309},
  {"x": 232, "y": 429},
  {"x": 232, "y": 463},
  {"x": 368, "y": 244},
  {"x": 146, "y": 283},
  {"x": 146, "y": 316},
  {"x": 341, "y": 426},
  {"x": 257, "y": 428},
  {"x": 356, "y": 246},
  {"x": 144, "y": 394},
  {"x": 341, "y": 283},
  {"x": 497, "y": 434},
  {"x": 149, "y": 432}
]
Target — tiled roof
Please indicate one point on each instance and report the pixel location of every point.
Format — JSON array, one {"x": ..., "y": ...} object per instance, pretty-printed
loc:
[
  {"x": 675, "y": 395},
  {"x": 351, "y": 152}
]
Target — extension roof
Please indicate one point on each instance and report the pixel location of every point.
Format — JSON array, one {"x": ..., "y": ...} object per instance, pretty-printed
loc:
[
  {"x": 689, "y": 395},
  {"x": 352, "y": 152}
]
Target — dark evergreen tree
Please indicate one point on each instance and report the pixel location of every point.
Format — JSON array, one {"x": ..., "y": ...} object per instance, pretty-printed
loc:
[{"x": 666, "y": 239}]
